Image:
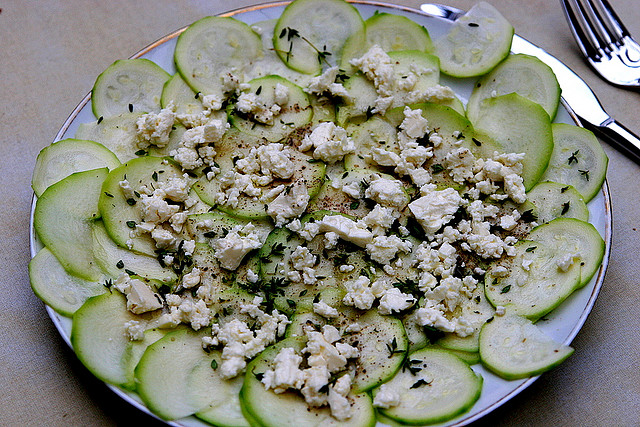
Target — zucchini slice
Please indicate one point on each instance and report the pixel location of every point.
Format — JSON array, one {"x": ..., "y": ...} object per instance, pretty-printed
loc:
[
  {"x": 523, "y": 74},
  {"x": 476, "y": 42},
  {"x": 133, "y": 85},
  {"x": 176, "y": 378},
  {"x": 64, "y": 227},
  {"x": 211, "y": 47},
  {"x": 577, "y": 159},
  {"x": 435, "y": 386},
  {"x": 65, "y": 157},
  {"x": 513, "y": 348},
  {"x": 304, "y": 44},
  {"x": 57, "y": 288}
]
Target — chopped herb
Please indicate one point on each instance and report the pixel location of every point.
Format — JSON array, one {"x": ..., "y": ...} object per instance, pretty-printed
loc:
[
  {"x": 563, "y": 189},
  {"x": 259, "y": 90},
  {"x": 258, "y": 375},
  {"x": 291, "y": 303},
  {"x": 108, "y": 194},
  {"x": 107, "y": 284},
  {"x": 324, "y": 388},
  {"x": 573, "y": 157},
  {"x": 393, "y": 348},
  {"x": 120, "y": 264},
  {"x": 410, "y": 366},
  {"x": 528, "y": 216},
  {"x": 585, "y": 174},
  {"x": 565, "y": 208},
  {"x": 437, "y": 168},
  {"x": 505, "y": 289},
  {"x": 489, "y": 320},
  {"x": 141, "y": 153},
  {"x": 476, "y": 141},
  {"x": 210, "y": 234},
  {"x": 473, "y": 24},
  {"x": 154, "y": 175},
  {"x": 344, "y": 175},
  {"x": 531, "y": 249},
  {"x": 369, "y": 112},
  {"x": 100, "y": 119},
  {"x": 129, "y": 272},
  {"x": 354, "y": 205},
  {"x": 131, "y": 201},
  {"x": 131, "y": 224},
  {"x": 303, "y": 293},
  {"x": 214, "y": 364},
  {"x": 131, "y": 108},
  {"x": 420, "y": 383}
]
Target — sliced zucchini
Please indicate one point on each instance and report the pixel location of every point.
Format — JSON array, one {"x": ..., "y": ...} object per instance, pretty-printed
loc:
[
  {"x": 176, "y": 378},
  {"x": 476, "y": 42},
  {"x": 117, "y": 133},
  {"x": 550, "y": 200},
  {"x": 561, "y": 256},
  {"x": 304, "y": 44},
  {"x": 113, "y": 259},
  {"x": 519, "y": 126},
  {"x": 210, "y": 48},
  {"x": 65, "y": 157},
  {"x": 574, "y": 237},
  {"x": 65, "y": 228},
  {"x": 99, "y": 339},
  {"x": 133, "y": 85},
  {"x": 513, "y": 348},
  {"x": 523, "y": 74},
  {"x": 436, "y": 386},
  {"x": 577, "y": 159},
  {"x": 57, "y": 288},
  {"x": 179, "y": 93}
]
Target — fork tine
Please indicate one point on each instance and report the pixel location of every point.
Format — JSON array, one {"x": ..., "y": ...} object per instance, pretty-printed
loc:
[
  {"x": 610, "y": 20},
  {"x": 596, "y": 23},
  {"x": 581, "y": 29}
]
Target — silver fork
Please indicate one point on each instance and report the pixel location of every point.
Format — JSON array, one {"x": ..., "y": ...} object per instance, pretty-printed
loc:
[{"x": 604, "y": 41}]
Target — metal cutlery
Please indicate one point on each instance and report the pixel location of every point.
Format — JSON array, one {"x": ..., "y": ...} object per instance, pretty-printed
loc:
[
  {"x": 604, "y": 41},
  {"x": 575, "y": 91}
]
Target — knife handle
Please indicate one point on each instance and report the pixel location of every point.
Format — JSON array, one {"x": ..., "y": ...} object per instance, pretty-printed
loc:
[{"x": 619, "y": 136}]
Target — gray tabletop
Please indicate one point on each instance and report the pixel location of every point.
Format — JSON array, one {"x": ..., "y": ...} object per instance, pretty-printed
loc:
[{"x": 50, "y": 53}]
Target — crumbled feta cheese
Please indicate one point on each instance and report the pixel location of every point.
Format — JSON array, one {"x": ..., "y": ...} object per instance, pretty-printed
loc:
[
  {"x": 435, "y": 208},
  {"x": 383, "y": 249},
  {"x": 134, "y": 330},
  {"x": 346, "y": 228},
  {"x": 154, "y": 129},
  {"x": 325, "y": 310},
  {"x": 289, "y": 205},
  {"x": 286, "y": 373},
  {"x": 326, "y": 83},
  {"x": 331, "y": 142},
  {"x": 393, "y": 301},
  {"x": 140, "y": 297},
  {"x": 387, "y": 192},
  {"x": 231, "y": 249},
  {"x": 386, "y": 397}
]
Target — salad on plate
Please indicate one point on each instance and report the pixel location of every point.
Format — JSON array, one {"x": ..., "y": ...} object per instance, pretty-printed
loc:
[{"x": 308, "y": 224}]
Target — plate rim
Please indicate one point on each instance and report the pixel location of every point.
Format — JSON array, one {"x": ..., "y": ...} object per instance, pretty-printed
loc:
[{"x": 56, "y": 318}]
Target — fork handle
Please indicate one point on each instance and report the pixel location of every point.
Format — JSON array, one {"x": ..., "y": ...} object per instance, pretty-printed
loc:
[{"x": 617, "y": 135}]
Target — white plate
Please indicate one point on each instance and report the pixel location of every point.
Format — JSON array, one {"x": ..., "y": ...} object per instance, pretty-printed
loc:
[{"x": 563, "y": 324}]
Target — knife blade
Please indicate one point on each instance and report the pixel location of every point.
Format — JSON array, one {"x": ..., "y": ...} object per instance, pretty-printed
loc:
[{"x": 577, "y": 94}]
